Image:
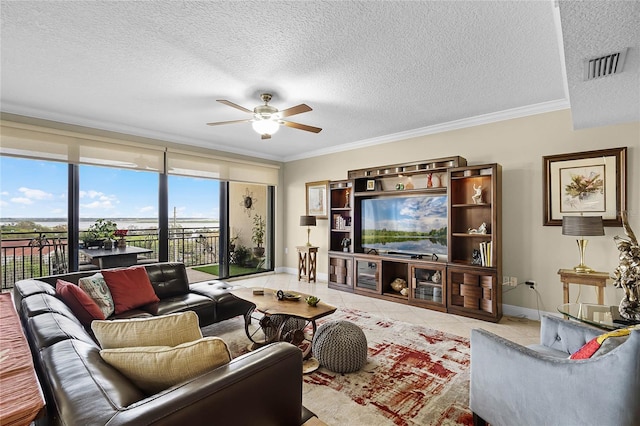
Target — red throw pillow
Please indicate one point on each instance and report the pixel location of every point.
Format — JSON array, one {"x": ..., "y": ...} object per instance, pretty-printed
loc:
[
  {"x": 79, "y": 302},
  {"x": 130, "y": 288}
]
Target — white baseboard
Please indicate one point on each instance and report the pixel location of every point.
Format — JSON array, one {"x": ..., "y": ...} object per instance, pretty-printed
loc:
[
  {"x": 294, "y": 271},
  {"x": 519, "y": 311}
]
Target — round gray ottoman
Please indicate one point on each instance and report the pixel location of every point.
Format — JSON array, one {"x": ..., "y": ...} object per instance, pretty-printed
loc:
[{"x": 340, "y": 346}]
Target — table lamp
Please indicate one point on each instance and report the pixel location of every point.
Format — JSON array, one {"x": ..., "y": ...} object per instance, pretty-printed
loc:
[
  {"x": 308, "y": 221},
  {"x": 582, "y": 226}
]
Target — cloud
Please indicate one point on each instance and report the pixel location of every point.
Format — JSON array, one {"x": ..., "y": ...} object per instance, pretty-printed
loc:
[
  {"x": 21, "y": 200},
  {"x": 101, "y": 200},
  {"x": 98, "y": 204},
  {"x": 146, "y": 209},
  {"x": 4, "y": 193},
  {"x": 35, "y": 194}
]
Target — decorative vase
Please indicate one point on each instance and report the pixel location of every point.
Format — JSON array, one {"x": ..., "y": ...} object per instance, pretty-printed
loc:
[{"x": 122, "y": 243}]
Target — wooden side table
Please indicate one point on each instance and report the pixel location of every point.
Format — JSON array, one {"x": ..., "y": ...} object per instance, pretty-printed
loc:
[
  {"x": 597, "y": 279},
  {"x": 307, "y": 263}
]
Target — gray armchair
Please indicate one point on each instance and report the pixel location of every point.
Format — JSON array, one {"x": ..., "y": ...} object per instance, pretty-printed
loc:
[{"x": 538, "y": 385}]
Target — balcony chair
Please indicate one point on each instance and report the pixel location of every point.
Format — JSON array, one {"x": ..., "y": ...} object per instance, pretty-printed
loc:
[{"x": 538, "y": 385}]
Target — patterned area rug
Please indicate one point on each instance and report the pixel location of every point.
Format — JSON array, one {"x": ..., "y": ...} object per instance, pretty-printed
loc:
[{"x": 413, "y": 375}]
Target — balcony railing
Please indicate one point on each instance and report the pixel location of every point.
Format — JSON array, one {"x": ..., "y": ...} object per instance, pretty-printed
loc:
[{"x": 28, "y": 255}]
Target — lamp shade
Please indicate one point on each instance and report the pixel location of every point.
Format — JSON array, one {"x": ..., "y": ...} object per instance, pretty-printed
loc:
[
  {"x": 582, "y": 226},
  {"x": 307, "y": 221}
]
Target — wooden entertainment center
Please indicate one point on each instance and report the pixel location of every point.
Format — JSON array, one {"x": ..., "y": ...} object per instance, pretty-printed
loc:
[{"x": 465, "y": 279}]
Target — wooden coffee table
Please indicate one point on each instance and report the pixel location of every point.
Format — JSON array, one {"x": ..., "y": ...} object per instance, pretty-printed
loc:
[{"x": 291, "y": 320}]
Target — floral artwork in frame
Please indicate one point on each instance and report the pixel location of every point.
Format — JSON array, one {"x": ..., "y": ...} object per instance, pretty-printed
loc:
[
  {"x": 589, "y": 183},
  {"x": 316, "y": 198}
]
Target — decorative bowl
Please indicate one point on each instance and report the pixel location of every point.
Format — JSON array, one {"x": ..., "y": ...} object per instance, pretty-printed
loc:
[{"x": 312, "y": 300}]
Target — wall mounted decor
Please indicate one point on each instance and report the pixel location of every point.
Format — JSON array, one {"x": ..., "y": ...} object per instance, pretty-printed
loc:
[
  {"x": 589, "y": 183},
  {"x": 317, "y": 199},
  {"x": 248, "y": 202}
]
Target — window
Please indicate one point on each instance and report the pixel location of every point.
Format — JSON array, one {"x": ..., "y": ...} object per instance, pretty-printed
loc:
[{"x": 33, "y": 218}]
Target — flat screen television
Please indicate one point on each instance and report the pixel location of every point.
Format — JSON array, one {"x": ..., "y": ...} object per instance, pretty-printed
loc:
[{"x": 412, "y": 225}]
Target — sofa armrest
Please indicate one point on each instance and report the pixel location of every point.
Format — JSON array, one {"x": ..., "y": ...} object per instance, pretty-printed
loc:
[
  {"x": 263, "y": 387},
  {"x": 512, "y": 384}
]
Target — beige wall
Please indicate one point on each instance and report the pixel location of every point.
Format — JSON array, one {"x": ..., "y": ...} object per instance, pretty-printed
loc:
[{"x": 530, "y": 250}]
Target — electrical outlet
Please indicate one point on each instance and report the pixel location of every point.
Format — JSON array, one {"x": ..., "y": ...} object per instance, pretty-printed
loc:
[
  {"x": 286, "y": 250},
  {"x": 531, "y": 284},
  {"x": 513, "y": 281},
  {"x": 506, "y": 280}
]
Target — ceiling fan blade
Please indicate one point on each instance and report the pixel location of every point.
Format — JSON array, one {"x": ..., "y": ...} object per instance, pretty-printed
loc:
[
  {"x": 298, "y": 109},
  {"x": 265, "y": 136},
  {"x": 229, "y": 122},
  {"x": 236, "y": 106},
  {"x": 301, "y": 126}
]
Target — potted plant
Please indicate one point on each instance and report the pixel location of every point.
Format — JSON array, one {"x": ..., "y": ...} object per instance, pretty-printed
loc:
[
  {"x": 101, "y": 232},
  {"x": 258, "y": 235},
  {"x": 233, "y": 240}
]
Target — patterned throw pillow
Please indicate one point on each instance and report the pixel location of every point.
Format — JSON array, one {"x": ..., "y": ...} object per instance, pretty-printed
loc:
[
  {"x": 155, "y": 368},
  {"x": 96, "y": 287}
]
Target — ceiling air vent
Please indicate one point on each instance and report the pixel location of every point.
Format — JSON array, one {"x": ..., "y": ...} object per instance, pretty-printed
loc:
[{"x": 604, "y": 66}]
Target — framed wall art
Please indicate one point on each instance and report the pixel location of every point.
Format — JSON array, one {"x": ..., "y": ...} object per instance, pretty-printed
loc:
[
  {"x": 317, "y": 199},
  {"x": 592, "y": 183}
]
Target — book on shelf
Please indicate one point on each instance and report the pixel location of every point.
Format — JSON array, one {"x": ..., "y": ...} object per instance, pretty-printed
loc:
[{"x": 485, "y": 253}]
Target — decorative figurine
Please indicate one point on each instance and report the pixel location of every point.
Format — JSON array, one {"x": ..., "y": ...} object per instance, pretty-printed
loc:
[
  {"x": 437, "y": 277},
  {"x": 477, "y": 196},
  {"x": 482, "y": 229},
  {"x": 346, "y": 199},
  {"x": 429, "y": 180},
  {"x": 627, "y": 273},
  {"x": 476, "y": 259}
]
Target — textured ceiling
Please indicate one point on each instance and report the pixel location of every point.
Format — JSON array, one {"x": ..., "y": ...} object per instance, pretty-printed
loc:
[{"x": 371, "y": 71}]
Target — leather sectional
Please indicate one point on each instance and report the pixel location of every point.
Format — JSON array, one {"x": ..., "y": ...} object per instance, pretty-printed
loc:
[{"x": 263, "y": 387}]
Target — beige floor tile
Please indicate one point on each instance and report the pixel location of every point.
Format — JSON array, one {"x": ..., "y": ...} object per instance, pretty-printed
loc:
[{"x": 522, "y": 331}]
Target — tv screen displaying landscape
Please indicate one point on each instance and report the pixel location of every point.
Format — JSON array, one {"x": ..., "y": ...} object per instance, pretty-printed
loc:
[{"x": 412, "y": 225}]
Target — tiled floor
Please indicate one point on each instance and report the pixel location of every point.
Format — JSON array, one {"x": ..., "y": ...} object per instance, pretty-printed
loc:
[{"x": 519, "y": 330}]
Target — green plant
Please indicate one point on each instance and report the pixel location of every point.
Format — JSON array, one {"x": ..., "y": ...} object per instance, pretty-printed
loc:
[
  {"x": 102, "y": 229},
  {"x": 242, "y": 256},
  {"x": 258, "y": 230}
]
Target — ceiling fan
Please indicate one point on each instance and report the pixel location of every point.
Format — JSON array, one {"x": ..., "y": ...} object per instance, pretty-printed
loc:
[{"x": 267, "y": 119}]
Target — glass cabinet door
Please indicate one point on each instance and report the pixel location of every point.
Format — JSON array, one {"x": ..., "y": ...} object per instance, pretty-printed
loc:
[
  {"x": 368, "y": 275},
  {"x": 428, "y": 285}
]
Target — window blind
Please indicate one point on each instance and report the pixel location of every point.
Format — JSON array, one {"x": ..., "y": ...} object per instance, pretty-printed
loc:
[{"x": 39, "y": 142}]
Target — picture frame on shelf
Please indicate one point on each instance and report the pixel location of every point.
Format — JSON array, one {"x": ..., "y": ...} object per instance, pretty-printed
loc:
[
  {"x": 590, "y": 182},
  {"x": 371, "y": 185},
  {"x": 316, "y": 199}
]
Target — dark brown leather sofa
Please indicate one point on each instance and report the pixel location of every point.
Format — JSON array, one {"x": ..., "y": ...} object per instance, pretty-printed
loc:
[{"x": 263, "y": 387}]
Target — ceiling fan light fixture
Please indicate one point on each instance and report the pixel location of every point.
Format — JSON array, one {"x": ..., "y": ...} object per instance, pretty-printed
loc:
[{"x": 265, "y": 126}]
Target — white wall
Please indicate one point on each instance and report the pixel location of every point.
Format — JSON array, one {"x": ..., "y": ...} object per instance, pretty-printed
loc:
[{"x": 530, "y": 250}]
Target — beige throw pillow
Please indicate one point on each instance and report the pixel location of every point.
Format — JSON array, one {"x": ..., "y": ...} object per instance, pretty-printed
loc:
[
  {"x": 164, "y": 330},
  {"x": 155, "y": 368},
  {"x": 96, "y": 287}
]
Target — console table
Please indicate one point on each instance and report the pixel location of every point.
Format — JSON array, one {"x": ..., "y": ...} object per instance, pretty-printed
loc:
[
  {"x": 597, "y": 279},
  {"x": 307, "y": 263}
]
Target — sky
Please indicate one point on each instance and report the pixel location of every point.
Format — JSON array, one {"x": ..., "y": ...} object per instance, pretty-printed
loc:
[
  {"x": 38, "y": 189},
  {"x": 406, "y": 213}
]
